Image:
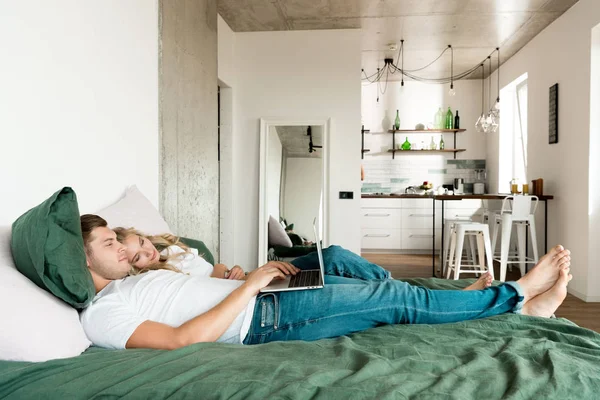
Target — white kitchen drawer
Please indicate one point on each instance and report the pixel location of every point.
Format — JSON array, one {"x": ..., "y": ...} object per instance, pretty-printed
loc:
[
  {"x": 380, "y": 203},
  {"x": 420, "y": 218},
  {"x": 467, "y": 203},
  {"x": 474, "y": 214},
  {"x": 418, "y": 203},
  {"x": 381, "y": 218},
  {"x": 380, "y": 239},
  {"x": 420, "y": 239}
]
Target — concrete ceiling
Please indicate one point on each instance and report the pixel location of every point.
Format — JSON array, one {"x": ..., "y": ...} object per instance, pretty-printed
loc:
[
  {"x": 295, "y": 140},
  {"x": 474, "y": 28}
]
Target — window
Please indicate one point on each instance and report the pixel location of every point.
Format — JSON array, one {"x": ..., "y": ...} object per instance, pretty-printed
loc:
[{"x": 513, "y": 134}]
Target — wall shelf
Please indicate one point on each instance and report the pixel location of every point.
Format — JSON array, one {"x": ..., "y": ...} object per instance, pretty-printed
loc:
[
  {"x": 427, "y": 151},
  {"x": 411, "y": 131}
]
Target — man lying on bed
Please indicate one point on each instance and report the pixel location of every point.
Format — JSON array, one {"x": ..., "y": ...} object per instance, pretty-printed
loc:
[{"x": 165, "y": 309}]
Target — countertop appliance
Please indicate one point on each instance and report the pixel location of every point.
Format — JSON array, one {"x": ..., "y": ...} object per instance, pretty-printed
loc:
[{"x": 459, "y": 185}]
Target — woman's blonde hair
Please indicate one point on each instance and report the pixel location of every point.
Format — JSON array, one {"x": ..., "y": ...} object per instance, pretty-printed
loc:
[{"x": 161, "y": 242}]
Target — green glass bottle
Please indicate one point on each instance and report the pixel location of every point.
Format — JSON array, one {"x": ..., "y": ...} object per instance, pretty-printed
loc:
[
  {"x": 442, "y": 144},
  {"x": 406, "y": 144},
  {"x": 397, "y": 122},
  {"x": 449, "y": 119}
]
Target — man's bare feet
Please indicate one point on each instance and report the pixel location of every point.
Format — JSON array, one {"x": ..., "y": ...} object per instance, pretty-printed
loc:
[
  {"x": 483, "y": 282},
  {"x": 548, "y": 302},
  {"x": 545, "y": 273}
]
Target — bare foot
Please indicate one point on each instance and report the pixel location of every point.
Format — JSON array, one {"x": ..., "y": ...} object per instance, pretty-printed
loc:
[
  {"x": 548, "y": 302},
  {"x": 545, "y": 273},
  {"x": 483, "y": 282}
]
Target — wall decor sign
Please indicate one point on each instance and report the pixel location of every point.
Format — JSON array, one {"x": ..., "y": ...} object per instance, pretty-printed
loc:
[{"x": 553, "y": 115}]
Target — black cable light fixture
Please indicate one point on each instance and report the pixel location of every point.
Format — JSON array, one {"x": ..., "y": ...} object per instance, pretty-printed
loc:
[
  {"x": 479, "y": 125},
  {"x": 496, "y": 109},
  {"x": 311, "y": 146},
  {"x": 451, "y": 92},
  {"x": 389, "y": 68}
]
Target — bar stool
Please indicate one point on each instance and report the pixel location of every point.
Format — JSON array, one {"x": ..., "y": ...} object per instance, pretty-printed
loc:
[
  {"x": 484, "y": 249},
  {"x": 522, "y": 216},
  {"x": 449, "y": 228}
]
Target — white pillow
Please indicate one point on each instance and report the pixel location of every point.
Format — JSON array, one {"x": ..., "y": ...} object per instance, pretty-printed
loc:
[
  {"x": 36, "y": 326},
  {"x": 278, "y": 235},
  {"x": 135, "y": 211}
]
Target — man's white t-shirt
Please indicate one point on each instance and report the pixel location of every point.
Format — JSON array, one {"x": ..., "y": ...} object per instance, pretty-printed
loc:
[{"x": 168, "y": 297}]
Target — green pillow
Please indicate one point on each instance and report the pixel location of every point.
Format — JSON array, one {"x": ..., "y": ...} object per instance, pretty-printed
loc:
[
  {"x": 201, "y": 247},
  {"x": 47, "y": 247}
]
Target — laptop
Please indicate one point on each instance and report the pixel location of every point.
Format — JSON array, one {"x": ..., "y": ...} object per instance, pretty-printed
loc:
[{"x": 303, "y": 280}]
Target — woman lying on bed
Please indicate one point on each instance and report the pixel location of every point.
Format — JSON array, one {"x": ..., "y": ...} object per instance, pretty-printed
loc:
[{"x": 166, "y": 251}]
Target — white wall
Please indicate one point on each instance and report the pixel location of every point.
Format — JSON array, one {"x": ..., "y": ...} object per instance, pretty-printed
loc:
[
  {"x": 594, "y": 178},
  {"x": 417, "y": 102},
  {"x": 274, "y": 162},
  {"x": 297, "y": 74},
  {"x": 226, "y": 53},
  {"x": 79, "y": 101},
  {"x": 303, "y": 185},
  {"x": 226, "y": 75},
  {"x": 561, "y": 54}
]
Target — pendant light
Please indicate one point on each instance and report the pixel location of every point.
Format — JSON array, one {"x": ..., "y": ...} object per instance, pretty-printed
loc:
[
  {"x": 402, "y": 66},
  {"x": 451, "y": 92},
  {"x": 490, "y": 120},
  {"x": 496, "y": 109},
  {"x": 481, "y": 120}
]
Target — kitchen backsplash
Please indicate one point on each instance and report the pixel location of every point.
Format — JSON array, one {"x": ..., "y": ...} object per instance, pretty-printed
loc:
[{"x": 384, "y": 175}]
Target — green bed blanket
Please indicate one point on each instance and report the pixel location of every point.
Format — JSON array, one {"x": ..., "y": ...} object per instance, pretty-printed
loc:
[{"x": 508, "y": 356}]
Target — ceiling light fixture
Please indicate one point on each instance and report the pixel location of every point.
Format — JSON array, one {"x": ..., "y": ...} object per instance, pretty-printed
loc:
[
  {"x": 479, "y": 125},
  {"x": 496, "y": 110},
  {"x": 451, "y": 92},
  {"x": 402, "y": 66},
  {"x": 389, "y": 68}
]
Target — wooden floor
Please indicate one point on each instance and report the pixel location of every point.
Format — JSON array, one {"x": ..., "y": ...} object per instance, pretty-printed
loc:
[{"x": 584, "y": 314}]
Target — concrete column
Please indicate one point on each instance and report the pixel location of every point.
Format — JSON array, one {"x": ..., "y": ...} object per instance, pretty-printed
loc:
[{"x": 189, "y": 172}]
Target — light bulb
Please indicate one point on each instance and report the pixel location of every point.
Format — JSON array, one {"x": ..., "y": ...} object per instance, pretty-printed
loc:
[
  {"x": 497, "y": 105},
  {"x": 452, "y": 92}
]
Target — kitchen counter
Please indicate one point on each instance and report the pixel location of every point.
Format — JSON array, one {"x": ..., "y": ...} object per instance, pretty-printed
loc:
[
  {"x": 490, "y": 196},
  {"x": 456, "y": 197}
]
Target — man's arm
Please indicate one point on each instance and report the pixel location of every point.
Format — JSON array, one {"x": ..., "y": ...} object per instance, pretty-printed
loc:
[{"x": 207, "y": 327}]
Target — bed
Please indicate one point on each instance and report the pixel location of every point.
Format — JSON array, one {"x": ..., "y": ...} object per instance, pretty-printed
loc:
[{"x": 508, "y": 356}]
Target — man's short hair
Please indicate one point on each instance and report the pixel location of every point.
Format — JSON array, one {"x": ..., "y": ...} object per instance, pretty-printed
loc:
[{"x": 89, "y": 222}]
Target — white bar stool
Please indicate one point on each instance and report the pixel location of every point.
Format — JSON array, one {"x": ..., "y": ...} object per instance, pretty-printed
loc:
[
  {"x": 449, "y": 228},
  {"x": 484, "y": 249},
  {"x": 522, "y": 216}
]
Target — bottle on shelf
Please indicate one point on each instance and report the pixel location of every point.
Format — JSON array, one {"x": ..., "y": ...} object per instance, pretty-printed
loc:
[
  {"x": 432, "y": 144},
  {"x": 406, "y": 145},
  {"x": 397, "y": 121},
  {"x": 442, "y": 144},
  {"x": 423, "y": 147},
  {"x": 457, "y": 121},
  {"x": 449, "y": 119},
  {"x": 438, "y": 120}
]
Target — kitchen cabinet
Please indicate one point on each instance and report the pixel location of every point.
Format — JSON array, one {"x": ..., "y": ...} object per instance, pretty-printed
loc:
[{"x": 398, "y": 225}]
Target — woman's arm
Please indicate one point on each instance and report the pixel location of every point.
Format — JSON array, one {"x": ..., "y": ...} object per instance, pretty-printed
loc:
[{"x": 207, "y": 327}]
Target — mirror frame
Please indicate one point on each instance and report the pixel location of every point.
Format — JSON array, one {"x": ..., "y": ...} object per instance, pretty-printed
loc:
[{"x": 263, "y": 219}]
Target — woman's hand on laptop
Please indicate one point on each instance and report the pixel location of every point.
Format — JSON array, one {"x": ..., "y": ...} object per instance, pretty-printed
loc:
[
  {"x": 261, "y": 277},
  {"x": 285, "y": 267}
]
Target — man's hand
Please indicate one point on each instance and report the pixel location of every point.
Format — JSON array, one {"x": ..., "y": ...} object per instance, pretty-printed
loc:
[{"x": 236, "y": 273}]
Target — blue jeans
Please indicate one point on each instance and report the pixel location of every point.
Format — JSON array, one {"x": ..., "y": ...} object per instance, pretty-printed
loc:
[
  {"x": 338, "y": 261},
  {"x": 346, "y": 305}
]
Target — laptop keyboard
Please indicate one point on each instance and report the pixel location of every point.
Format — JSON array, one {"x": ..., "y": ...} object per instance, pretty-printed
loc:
[{"x": 305, "y": 278}]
